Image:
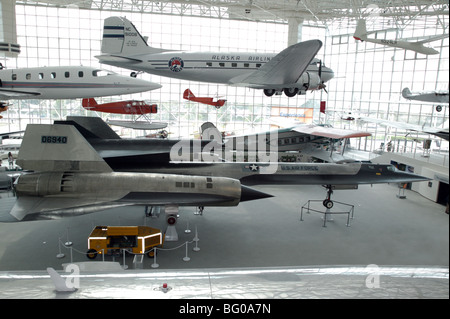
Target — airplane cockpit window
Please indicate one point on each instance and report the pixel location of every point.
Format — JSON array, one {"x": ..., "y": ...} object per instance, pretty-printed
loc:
[
  {"x": 391, "y": 168},
  {"x": 100, "y": 73}
]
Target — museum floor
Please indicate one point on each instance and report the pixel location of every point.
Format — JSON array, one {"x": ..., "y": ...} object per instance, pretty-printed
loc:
[{"x": 385, "y": 230}]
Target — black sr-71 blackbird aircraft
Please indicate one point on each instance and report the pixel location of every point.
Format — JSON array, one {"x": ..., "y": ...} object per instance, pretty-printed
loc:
[{"x": 79, "y": 166}]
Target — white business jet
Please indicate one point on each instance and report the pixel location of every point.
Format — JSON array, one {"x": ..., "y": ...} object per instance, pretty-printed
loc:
[
  {"x": 67, "y": 82},
  {"x": 292, "y": 71},
  {"x": 361, "y": 34}
]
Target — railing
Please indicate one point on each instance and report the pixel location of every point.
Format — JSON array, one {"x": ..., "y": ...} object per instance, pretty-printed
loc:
[{"x": 307, "y": 207}]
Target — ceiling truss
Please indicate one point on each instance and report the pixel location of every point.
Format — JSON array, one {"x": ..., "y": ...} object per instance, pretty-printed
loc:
[{"x": 320, "y": 12}]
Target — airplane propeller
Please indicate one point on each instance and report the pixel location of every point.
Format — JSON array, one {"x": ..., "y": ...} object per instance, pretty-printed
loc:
[{"x": 322, "y": 86}]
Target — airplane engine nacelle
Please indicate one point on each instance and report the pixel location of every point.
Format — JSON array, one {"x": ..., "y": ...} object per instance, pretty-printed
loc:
[
  {"x": 136, "y": 188},
  {"x": 309, "y": 81}
]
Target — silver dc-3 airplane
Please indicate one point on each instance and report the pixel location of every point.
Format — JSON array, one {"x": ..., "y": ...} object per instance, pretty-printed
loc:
[
  {"x": 67, "y": 82},
  {"x": 292, "y": 71}
]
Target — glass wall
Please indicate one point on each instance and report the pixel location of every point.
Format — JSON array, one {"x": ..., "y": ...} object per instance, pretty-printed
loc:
[{"x": 368, "y": 81}]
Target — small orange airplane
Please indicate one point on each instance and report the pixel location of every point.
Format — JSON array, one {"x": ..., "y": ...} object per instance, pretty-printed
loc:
[
  {"x": 188, "y": 95},
  {"x": 121, "y": 107}
]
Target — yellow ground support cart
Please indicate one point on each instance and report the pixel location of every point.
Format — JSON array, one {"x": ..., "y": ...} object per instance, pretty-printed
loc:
[{"x": 135, "y": 239}]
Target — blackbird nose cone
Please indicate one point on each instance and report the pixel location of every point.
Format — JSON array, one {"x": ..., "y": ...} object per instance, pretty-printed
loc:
[{"x": 248, "y": 194}]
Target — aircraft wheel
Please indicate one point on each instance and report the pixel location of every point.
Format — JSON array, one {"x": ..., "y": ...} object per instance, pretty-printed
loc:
[
  {"x": 439, "y": 108},
  {"x": 290, "y": 92},
  {"x": 269, "y": 92},
  {"x": 152, "y": 254},
  {"x": 328, "y": 203},
  {"x": 171, "y": 219},
  {"x": 91, "y": 254}
]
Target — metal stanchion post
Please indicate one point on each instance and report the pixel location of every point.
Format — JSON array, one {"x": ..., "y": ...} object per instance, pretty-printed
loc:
[
  {"x": 154, "y": 265},
  {"x": 124, "y": 264},
  {"x": 187, "y": 257},
  {"x": 196, "y": 239},
  {"x": 68, "y": 242},
  {"x": 60, "y": 255}
]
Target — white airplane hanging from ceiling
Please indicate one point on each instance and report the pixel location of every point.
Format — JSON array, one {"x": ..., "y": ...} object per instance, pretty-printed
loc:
[
  {"x": 427, "y": 96},
  {"x": 292, "y": 71},
  {"x": 361, "y": 34},
  {"x": 67, "y": 82}
]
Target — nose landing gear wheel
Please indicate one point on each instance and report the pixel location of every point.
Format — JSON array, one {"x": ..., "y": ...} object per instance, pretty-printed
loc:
[{"x": 328, "y": 203}]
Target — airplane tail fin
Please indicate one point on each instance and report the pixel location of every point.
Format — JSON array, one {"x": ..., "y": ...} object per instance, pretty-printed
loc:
[
  {"x": 361, "y": 30},
  {"x": 61, "y": 148},
  {"x": 121, "y": 37},
  {"x": 188, "y": 94},
  {"x": 87, "y": 103},
  {"x": 406, "y": 93},
  {"x": 210, "y": 132}
]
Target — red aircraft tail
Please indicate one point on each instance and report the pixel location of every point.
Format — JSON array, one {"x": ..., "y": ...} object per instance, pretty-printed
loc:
[
  {"x": 188, "y": 94},
  {"x": 91, "y": 102}
]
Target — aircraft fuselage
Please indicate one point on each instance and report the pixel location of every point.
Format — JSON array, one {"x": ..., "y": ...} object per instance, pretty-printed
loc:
[{"x": 67, "y": 83}]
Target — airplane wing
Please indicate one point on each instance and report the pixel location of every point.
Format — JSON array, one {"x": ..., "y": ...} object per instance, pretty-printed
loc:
[
  {"x": 329, "y": 132},
  {"x": 434, "y": 38},
  {"x": 442, "y": 133},
  {"x": 283, "y": 69},
  {"x": 11, "y": 94},
  {"x": 139, "y": 125}
]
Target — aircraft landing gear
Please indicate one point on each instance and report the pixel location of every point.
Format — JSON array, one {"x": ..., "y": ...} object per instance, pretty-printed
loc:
[
  {"x": 269, "y": 92},
  {"x": 327, "y": 202},
  {"x": 290, "y": 92}
]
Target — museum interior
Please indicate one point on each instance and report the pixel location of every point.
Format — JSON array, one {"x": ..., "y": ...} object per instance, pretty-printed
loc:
[{"x": 369, "y": 86}]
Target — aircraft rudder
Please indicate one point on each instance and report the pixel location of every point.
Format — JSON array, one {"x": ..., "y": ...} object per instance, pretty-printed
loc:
[
  {"x": 406, "y": 92},
  {"x": 188, "y": 94},
  {"x": 361, "y": 30},
  {"x": 89, "y": 102},
  {"x": 120, "y": 36},
  {"x": 58, "y": 147}
]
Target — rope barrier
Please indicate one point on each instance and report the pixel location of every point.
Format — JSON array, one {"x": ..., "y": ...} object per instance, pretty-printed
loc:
[{"x": 68, "y": 245}]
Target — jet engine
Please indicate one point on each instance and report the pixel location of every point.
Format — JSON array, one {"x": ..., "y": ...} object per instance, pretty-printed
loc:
[{"x": 80, "y": 193}]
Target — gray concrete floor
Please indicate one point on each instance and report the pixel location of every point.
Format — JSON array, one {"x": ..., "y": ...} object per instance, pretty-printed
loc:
[{"x": 385, "y": 230}]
